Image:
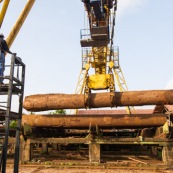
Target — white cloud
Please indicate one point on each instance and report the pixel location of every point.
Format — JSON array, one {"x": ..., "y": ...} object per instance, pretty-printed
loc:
[
  {"x": 129, "y": 6},
  {"x": 169, "y": 85}
]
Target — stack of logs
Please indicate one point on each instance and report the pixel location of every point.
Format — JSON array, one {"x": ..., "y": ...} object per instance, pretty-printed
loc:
[{"x": 44, "y": 102}]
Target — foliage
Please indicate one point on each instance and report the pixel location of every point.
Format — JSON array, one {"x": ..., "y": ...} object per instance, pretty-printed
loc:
[
  {"x": 13, "y": 124},
  {"x": 59, "y": 111}
]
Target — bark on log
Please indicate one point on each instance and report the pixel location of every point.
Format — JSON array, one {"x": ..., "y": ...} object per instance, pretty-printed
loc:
[
  {"x": 103, "y": 121},
  {"x": 43, "y": 102}
]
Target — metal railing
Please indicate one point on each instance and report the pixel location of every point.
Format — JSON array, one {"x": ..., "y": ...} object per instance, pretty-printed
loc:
[{"x": 85, "y": 34}]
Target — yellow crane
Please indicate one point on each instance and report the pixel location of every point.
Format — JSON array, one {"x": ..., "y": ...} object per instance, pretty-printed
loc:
[
  {"x": 97, "y": 42},
  {"x": 98, "y": 51},
  {"x": 21, "y": 19}
]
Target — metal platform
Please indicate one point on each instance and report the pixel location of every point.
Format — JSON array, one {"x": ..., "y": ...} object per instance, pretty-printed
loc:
[
  {"x": 93, "y": 43},
  {"x": 13, "y": 86}
]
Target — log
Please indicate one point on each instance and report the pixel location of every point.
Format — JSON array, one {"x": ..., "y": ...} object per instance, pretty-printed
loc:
[
  {"x": 43, "y": 102},
  {"x": 102, "y": 121}
]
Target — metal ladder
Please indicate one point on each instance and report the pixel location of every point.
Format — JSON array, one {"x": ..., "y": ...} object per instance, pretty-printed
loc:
[{"x": 12, "y": 89}]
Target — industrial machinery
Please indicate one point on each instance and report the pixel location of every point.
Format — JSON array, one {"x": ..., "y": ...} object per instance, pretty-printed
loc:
[
  {"x": 100, "y": 71},
  {"x": 100, "y": 68},
  {"x": 99, "y": 53},
  {"x": 99, "y": 56}
]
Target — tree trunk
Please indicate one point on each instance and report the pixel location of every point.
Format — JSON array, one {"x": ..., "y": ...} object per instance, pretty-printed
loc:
[
  {"x": 102, "y": 121},
  {"x": 43, "y": 102}
]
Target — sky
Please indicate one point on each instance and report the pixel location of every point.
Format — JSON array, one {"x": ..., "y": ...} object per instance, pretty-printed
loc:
[{"x": 49, "y": 43}]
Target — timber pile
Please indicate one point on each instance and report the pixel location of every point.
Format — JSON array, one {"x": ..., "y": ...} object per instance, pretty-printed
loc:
[{"x": 44, "y": 102}]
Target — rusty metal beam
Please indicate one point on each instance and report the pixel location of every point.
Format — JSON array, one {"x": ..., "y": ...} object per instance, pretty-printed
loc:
[
  {"x": 102, "y": 121},
  {"x": 43, "y": 102}
]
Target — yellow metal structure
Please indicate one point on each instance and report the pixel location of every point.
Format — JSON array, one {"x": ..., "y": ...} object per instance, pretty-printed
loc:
[
  {"x": 98, "y": 57},
  {"x": 120, "y": 79},
  {"x": 3, "y": 11},
  {"x": 101, "y": 55},
  {"x": 99, "y": 81},
  {"x": 15, "y": 30},
  {"x": 102, "y": 81}
]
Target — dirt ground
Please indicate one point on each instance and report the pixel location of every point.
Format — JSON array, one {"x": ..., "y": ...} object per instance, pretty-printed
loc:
[
  {"x": 44, "y": 169},
  {"x": 77, "y": 162},
  {"x": 47, "y": 165}
]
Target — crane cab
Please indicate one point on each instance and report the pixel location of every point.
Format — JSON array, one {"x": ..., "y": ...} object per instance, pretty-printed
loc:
[{"x": 98, "y": 33}]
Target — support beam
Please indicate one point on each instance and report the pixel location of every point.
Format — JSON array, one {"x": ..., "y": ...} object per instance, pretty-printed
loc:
[
  {"x": 44, "y": 148},
  {"x": 54, "y": 147},
  {"x": 15, "y": 30},
  {"x": 167, "y": 155},
  {"x": 102, "y": 121},
  {"x": 94, "y": 153},
  {"x": 26, "y": 149},
  {"x": 3, "y": 11},
  {"x": 43, "y": 102}
]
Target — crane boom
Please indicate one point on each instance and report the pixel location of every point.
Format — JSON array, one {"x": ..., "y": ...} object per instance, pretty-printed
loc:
[
  {"x": 3, "y": 10},
  {"x": 16, "y": 28}
]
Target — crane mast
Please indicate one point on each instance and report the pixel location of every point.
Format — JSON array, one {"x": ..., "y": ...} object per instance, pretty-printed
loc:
[
  {"x": 99, "y": 53},
  {"x": 97, "y": 43}
]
